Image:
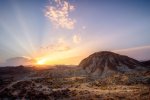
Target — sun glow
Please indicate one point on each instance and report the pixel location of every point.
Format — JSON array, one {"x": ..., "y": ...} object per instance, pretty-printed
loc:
[
  {"x": 72, "y": 56},
  {"x": 41, "y": 62}
]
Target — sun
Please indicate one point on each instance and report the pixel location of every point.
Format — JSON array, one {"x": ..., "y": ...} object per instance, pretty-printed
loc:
[{"x": 41, "y": 62}]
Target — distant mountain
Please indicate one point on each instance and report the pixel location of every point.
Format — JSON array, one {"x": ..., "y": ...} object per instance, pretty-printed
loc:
[{"x": 105, "y": 62}]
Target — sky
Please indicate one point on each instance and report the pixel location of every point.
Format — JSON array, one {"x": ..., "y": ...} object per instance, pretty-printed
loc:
[{"x": 66, "y": 31}]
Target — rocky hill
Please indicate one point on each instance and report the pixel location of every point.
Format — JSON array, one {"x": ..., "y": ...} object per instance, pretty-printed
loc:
[{"x": 105, "y": 63}]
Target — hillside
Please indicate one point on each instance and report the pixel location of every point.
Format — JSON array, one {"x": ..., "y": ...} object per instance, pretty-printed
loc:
[{"x": 105, "y": 63}]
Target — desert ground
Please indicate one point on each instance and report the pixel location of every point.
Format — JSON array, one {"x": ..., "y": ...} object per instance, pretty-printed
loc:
[{"x": 70, "y": 83}]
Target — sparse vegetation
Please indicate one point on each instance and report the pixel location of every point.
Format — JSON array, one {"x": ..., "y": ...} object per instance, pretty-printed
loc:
[{"x": 47, "y": 84}]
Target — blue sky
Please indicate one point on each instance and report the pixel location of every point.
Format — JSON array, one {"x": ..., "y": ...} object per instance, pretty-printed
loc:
[{"x": 25, "y": 30}]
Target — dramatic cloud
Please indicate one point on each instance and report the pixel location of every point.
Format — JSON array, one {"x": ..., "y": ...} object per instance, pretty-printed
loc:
[
  {"x": 76, "y": 39},
  {"x": 16, "y": 61},
  {"x": 58, "y": 14}
]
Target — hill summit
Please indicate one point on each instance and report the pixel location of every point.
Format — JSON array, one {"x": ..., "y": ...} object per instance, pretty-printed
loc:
[{"x": 106, "y": 62}]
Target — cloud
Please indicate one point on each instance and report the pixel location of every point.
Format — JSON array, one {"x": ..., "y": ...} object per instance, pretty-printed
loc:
[
  {"x": 62, "y": 45},
  {"x": 83, "y": 27},
  {"x": 16, "y": 61},
  {"x": 58, "y": 14},
  {"x": 76, "y": 39},
  {"x": 58, "y": 46}
]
